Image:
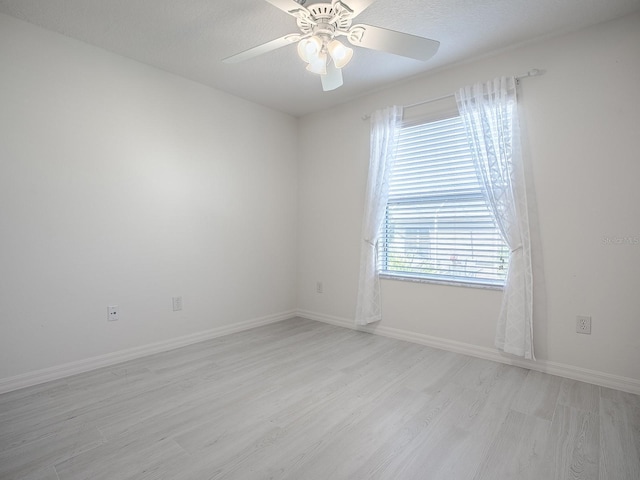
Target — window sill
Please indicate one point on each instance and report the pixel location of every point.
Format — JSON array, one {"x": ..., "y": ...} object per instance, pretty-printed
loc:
[{"x": 451, "y": 283}]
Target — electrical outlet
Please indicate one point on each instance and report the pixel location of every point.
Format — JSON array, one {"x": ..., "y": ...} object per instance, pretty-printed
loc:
[
  {"x": 177, "y": 303},
  {"x": 583, "y": 324},
  {"x": 113, "y": 313},
  {"x": 319, "y": 287}
]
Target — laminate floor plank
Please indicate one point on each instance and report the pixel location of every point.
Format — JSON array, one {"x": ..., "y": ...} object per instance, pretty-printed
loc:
[
  {"x": 583, "y": 396},
  {"x": 538, "y": 395},
  {"x": 573, "y": 447},
  {"x": 437, "y": 371},
  {"x": 435, "y": 447},
  {"x": 76, "y": 390},
  {"x": 517, "y": 449},
  {"x": 621, "y": 406},
  {"x": 136, "y": 459},
  {"x": 31, "y": 458},
  {"x": 43, "y": 392},
  {"x": 217, "y": 427},
  {"x": 220, "y": 410},
  {"x": 53, "y": 416},
  {"x": 499, "y": 382},
  {"x": 412, "y": 439},
  {"x": 619, "y": 435},
  {"x": 300, "y": 399},
  {"x": 354, "y": 443},
  {"x": 47, "y": 473},
  {"x": 480, "y": 425}
]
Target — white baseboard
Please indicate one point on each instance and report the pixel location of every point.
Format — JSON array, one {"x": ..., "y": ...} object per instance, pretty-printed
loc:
[
  {"x": 595, "y": 377},
  {"x": 562, "y": 370},
  {"x": 60, "y": 371}
]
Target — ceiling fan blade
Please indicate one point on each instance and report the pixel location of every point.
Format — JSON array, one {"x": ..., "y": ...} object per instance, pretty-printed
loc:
[
  {"x": 358, "y": 6},
  {"x": 390, "y": 41},
  {"x": 332, "y": 79},
  {"x": 264, "y": 48},
  {"x": 288, "y": 6}
]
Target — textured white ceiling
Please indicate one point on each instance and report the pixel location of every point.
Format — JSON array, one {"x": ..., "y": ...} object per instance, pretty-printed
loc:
[{"x": 190, "y": 37}]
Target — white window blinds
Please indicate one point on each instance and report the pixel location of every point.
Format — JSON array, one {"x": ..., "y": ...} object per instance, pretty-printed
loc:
[{"x": 437, "y": 225}]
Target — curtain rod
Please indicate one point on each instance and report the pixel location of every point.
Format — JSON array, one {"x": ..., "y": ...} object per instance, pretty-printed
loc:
[{"x": 534, "y": 72}]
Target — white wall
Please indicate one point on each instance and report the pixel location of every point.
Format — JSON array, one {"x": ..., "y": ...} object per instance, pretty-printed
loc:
[
  {"x": 582, "y": 122},
  {"x": 122, "y": 184}
]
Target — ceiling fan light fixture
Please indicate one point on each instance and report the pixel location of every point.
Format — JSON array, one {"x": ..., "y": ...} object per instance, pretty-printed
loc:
[
  {"x": 318, "y": 64},
  {"x": 321, "y": 23},
  {"x": 340, "y": 54},
  {"x": 308, "y": 48}
]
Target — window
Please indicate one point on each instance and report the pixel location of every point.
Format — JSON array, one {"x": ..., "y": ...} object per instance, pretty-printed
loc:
[{"x": 437, "y": 225}]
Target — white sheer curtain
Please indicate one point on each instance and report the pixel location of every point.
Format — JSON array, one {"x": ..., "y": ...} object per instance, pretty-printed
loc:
[
  {"x": 489, "y": 112},
  {"x": 385, "y": 126}
]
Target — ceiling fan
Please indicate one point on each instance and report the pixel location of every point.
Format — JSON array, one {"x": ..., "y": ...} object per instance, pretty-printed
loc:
[{"x": 320, "y": 26}]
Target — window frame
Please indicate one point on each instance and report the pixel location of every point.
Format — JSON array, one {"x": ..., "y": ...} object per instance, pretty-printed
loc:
[{"x": 439, "y": 279}]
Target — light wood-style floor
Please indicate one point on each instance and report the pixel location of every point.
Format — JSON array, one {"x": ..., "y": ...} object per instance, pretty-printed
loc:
[{"x": 304, "y": 400}]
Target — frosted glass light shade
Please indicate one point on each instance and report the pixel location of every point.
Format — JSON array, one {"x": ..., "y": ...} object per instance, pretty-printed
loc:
[
  {"x": 318, "y": 64},
  {"x": 341, "y": 55},
  {"x": 309, "y": 48}
]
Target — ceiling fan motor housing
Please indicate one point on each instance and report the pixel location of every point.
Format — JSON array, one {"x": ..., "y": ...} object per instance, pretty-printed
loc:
[{"x": 325, "y": 20}]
